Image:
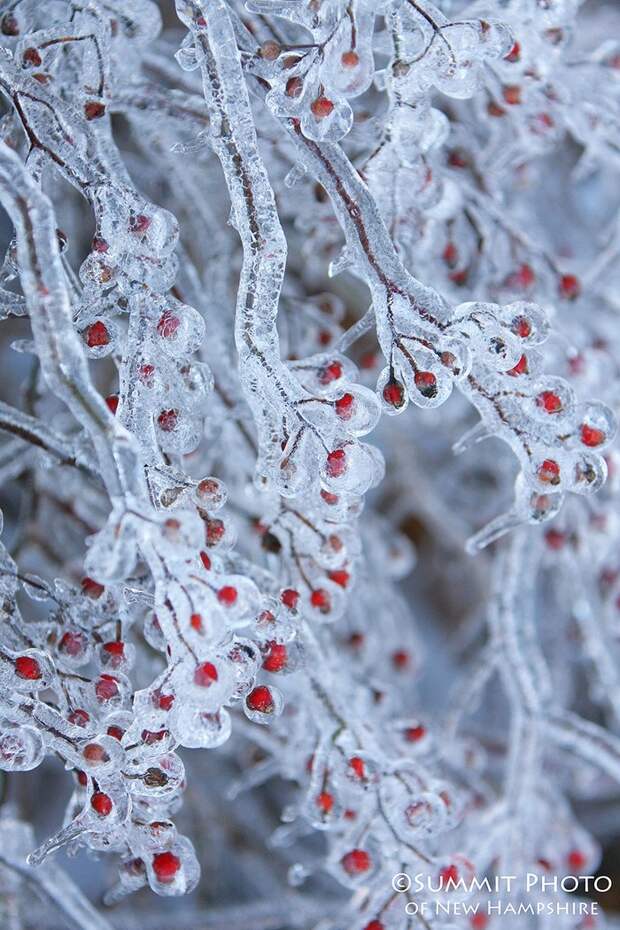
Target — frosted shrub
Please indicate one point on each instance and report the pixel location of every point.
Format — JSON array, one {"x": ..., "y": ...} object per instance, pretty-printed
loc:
[{"x": 252, "y": 248}]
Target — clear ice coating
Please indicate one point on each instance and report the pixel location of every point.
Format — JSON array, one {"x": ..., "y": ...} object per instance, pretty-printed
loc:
[{"x": 250, "y": 249}]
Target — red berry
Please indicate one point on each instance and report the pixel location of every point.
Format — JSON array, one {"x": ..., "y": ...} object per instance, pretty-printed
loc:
[
  {"x": 82, "y": 778},
  {"x": 494, "y": 109},
  {"x": 426, "y": 383},
  {"x": 101, "y": 803},
  {"x": 9, "y": 25},
  {"x": 374, "y": 925},
  {"x": 512, "y": 94},
  {"x": 166, "y": 865},
  {"x": 478, "y": 921},
  {"x": 555, "y": 539},
  {"x": 227, "y": 595},
  {"x": 356, "y": 764},
  {"x": 205, "y": 674},
  {"x": 321, "y": 107},
  {"x": 521, "y": 368},
  {"x": 94, "y": 752},
  {"x": 270, "y": 50},
  {"x": 569, "y": 287},
  {"x": 289, "y": 598},
  {"x": 549, "y": 401},
  {"x": 195, "y": 621},
  {"x": 592, "y": 437},
  {"x": 394, "y": 394},
  {"x": 356, "y": 862},
  {"x": 276, "y": 657},
  {"x": 168, "y": 324},
  {"x": 344, "y": 406},
  {"x": 321, "y": 600},
  {"x": 450, "y": 254},
  {"x": 400, "y": 659},
  {"x": 549, "y": 472},
  {"x": 340, "y": 576},
  {"x": 31, "y": 56},
  {"x": 92, "y": 588},
  {"x": 449, "y": 873},
  {"x": 260, "y": 699},
  {"x": 115, "y": 732},
  {"x": 514, "y": 54},
  {"x": 165, "y": 701},
  {"x": 350, "y": 59},
  {"x": 96, "y": 335},
  {"x": 336, "y": 463},
  {"x": 576, "y": 860},
  {"x": 325, "y": 801},
  {"x": 114, "y": 648},
  {"x": 206, "y": 561},
  {"x": 94, "y": 109},
  {"x": 415, "y": 734},
  {"x": 79, "y": 717},
  {"x": 112, "y": 403},
  {"x": 28, "y": 668},
  {"x": 522, "y": 327},
  {"x": 145, "y": 374},
  {"x": 330, "y": 373},
  {"x": 106, "y": 688},
  {"x": 72, "y": 643},
  {"x": 167, "y": 420}
]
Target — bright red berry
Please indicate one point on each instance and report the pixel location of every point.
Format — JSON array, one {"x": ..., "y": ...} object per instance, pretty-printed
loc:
[
  {"x": 356, "y": 764},
  {"x": 321, "y": 600},
  {"x": 549, "y": 401},
  {"x": 415, "y": 734},
  {"x": 96, "y": 335},
  {"x": 101, "y": 803},
  {"x": 394, "y": 394},
  {"x": 576, "y": 860},
  {"x": 227, "y": 595},
  {"x": 330, "y": 373},
  {"x": 325, "y": 801},
  {"x": 289, "y": 598},
  {"x": 514, "y": 54},
  {"x": 276, "y": 657},
  {"x": 549, "y": 472},
  {"x": 260, "y": 699},
  {"x": 340, "y": 577},
  {"x": 27, "y": 668},
  {"x": 426, "y": 383},
  {"x": 521, "y": 368},
  {"x": 205, "y": 674},
  {"x": 591, "y": 436},
  {"x": 344, "y": 406},
  {"x": 112, "y": 403},
  {"x": 356, "y": 862},
  {"x": 166, "y": 865}
]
